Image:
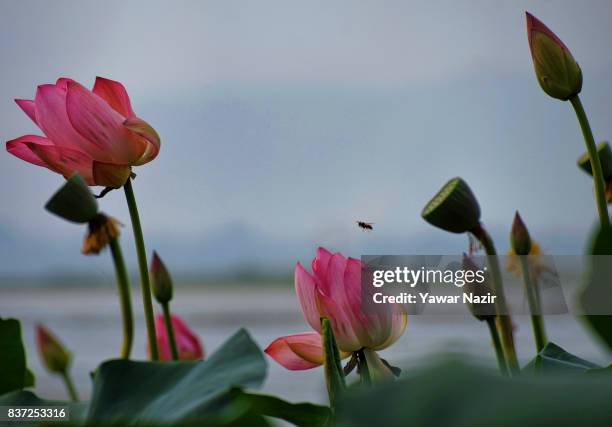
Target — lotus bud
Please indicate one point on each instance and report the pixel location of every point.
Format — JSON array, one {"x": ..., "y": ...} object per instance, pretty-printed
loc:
[
  {"x": 481, "y": 311},
  {"x": 162, "y": 282},
  {"x": 102, "y": 229},
  {"x": 53, "y": 354},
  {"x": 454, "y": 208},
  {"x": 556, "y": 69},
  {"x": 519, "y": 236},
  {"x": 74, "y": 201}
]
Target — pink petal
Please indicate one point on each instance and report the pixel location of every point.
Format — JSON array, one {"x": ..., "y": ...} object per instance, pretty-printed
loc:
[
  {"x": 341, "y": 320},
  {"x": 399, "y": 321},
  {"x": 52, "y": 118},
  {"x": 333, "y": 283},
  {"x": 298, "y": 351},
  {"x": 367, "y": 326},
  {"x": 320, "y": 262},
  {"x": 146, "y": 131},
  {"x": 63, "y": 160},
  {"x": 28, "y": 107},
  {"x": 96, "y": 121},
  {"x": 20, "y": 147},
  {"x": 163, "y": 344},
  {"x": 62, "y": 82},
  {"x": 305, "y": 289},
  {"x": 115, "y": 95},
  {"x": 187, "y": 343}
]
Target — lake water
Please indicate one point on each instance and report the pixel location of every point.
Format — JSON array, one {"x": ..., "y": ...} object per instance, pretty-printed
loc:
[{"x": 88, "y": 322}]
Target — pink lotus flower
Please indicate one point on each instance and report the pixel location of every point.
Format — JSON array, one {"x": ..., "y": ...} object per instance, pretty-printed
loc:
[
  {"x": 334, "y": 290},
  {"x": 95, "y": 133},
  {"x": 187, "y": 343}
]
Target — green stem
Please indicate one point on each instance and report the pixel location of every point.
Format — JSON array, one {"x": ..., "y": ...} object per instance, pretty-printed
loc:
[
  {"x": 145, "y": 283},
  {"x": 123, "y": 286},
  {"x": 499, "y": 351},
  {"x": 537, "y": 321},
  {"x": 598, "y": 178},
  {"x": 362, "y": 368},
  {"x": 504, "y": 321},
  {"x": 170, "y": 330},
  {"x": 70, "y": 386}
]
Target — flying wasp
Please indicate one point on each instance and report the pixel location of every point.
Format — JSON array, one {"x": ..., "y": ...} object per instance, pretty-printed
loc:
[{"x": 365, "y": 225}]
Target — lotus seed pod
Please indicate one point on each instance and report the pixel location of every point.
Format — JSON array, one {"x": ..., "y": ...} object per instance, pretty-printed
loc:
[
  {"x": 605, "y": 158},
  {"x": 454, "y": 208},
  {"x": 74, "y": 201}
]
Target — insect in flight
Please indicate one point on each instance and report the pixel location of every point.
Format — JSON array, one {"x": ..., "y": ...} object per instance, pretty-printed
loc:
[{"x": 365, "y": 225}]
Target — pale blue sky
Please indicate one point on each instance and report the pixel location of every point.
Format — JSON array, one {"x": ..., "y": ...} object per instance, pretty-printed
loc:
[{"x": 294, "y": 119}]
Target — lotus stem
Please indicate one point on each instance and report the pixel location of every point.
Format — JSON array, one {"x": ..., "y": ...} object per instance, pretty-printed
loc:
[
  {"x": 170, "y": 330},
  {"x": 499, "y": 351},
  {"x": 598, "y": 178},
  {"x": 533, "y": 299},
  {"x": 363, "y": 369},
  {"x": 125, "y": 300},
  {"x": 503, "y": 319},
  {"x": 145, "y": 283},
  {"x": 70, "y": 386}
]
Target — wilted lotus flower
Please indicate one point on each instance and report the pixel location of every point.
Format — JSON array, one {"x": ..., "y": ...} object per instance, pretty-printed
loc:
[
  {"x": 95, "y": 133},
  {"x": 187, "y": 343},
  {"x": 333, "y": 290}
]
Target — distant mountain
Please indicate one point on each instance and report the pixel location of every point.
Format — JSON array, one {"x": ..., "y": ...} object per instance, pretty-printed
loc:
[{"x": 236, "y": 247}]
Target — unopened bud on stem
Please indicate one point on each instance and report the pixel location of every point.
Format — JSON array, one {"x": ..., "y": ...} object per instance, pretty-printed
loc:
[
  {"x": 519, "y": 236},
  {"x": 556, "y": 69},
  {"x": 53, "y": 354},
  {"x": 161, "y": 280}
]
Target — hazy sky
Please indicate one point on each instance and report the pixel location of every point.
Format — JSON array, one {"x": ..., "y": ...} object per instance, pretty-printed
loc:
[{"x": 297, "y": 118}]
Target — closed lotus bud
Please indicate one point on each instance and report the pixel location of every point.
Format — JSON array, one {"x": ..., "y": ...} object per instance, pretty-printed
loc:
[
  {"x": 519, "y": 236},
  {"x": 162, "y": 282},
  {"x": 53, "y": 354},
  {"x": 605, "y": 158},
  {"x": 454, "y": 208},
  {"x": 102, "y": 229},
  {"x": 481, "y": 311},
  {"x": 187, "y": 342},
  {"x": 556, "y": 69},
  {"x": 74, "y": 201}
]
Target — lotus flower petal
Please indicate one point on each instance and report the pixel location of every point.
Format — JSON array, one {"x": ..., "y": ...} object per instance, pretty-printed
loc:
[
  {"x": 28, "y": 107},
  {"x": 51, "y": 117},
  {"x": 115, "y": 95},
  {"x": 187, "y": 343},
  {"x": 96, "y": 121},
  {"x": 305, "y": 288},
  {"x": 20, "y": 147},
  {"x": 63, "y": 160},
  {"x": 110, "y": 174},
  {"x": 146, "y": 131},
  {"x": 297, "y": 351}
]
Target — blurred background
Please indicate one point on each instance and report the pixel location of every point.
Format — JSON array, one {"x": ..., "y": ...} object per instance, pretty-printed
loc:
[{"x": 282, "y": 124}]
